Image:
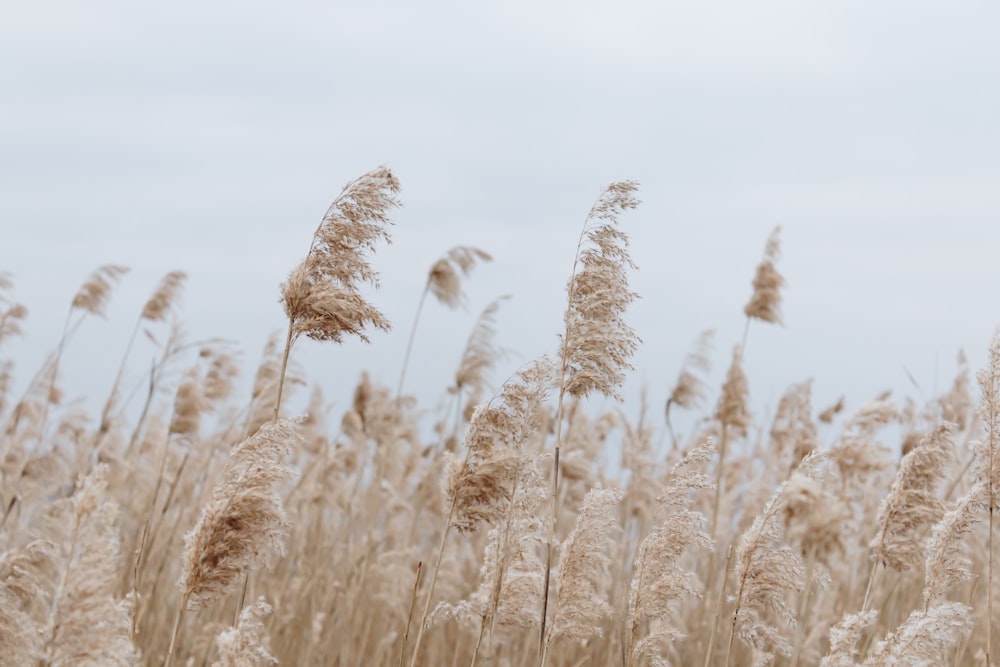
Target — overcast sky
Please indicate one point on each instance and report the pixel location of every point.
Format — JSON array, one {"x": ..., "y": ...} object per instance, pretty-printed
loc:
[{"x": 211, "y": 137}]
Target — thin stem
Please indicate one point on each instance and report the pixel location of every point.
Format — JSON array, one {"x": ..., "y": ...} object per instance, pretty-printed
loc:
[
  {"x": 868, "y": 591},
  {"x": 284, "y": 367},
  {"x": 52, "y": 379},
  {"x": 409, "y": 613},
  {"x": 709, "y": 654},
  {"x": 803, "y": 605},
  {"x": 409, "y": 342},
  {"x": 105, "y": 425},
  {"x": 723, "y": 443},
  {"x": 430, "y": 592},
  {"x": 552, "y": 527},
  {"x": 173, "y": 635},
  {"x": 746, "y": 332},
  {"x": 736, "y": 614}
]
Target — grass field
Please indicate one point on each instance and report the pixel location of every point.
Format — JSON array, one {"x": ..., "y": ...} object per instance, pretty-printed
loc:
[{"x": 191, "y": 524}]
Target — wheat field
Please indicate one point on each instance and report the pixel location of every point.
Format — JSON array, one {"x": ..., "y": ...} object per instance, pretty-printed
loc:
[{"x": 193, "y": 524}]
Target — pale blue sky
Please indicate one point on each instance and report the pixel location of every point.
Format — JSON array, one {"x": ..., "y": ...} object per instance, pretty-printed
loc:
[{"x": 210, "y": 137}]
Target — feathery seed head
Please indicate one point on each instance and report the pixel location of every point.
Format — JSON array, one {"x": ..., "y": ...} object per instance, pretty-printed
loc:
[
  {"x": 765, "y": 303},
  {"x": 321, "y": 296},
  {"x": 94, "y": 293}
]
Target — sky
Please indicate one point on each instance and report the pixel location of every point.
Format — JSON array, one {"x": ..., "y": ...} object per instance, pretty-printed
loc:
[{"x": 211, "y": 137}]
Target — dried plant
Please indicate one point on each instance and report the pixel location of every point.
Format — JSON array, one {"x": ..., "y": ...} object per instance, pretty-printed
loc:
[
  {"x": 444, "y": 282},
  {"x": 765, "y": 572},
  {"x": 481, "y": 487},
  {"x": 242, "y": 527},
  {"x": 164, "y": 298},
  {"x": 596, "y": 344},
  {"x": 11, "y": 313},
  {"x": 765, "y": 302},
  {"x": 321, "y": 296},
  {"x": 580, "y": 604},
  {"x": 912, "y": 504},
  {"x": 86, "y": 625},
  {"x": 924, "y": 639},
  {"x": 844, "y": 639},
  {"x": 93, "y": 517},
  {"x": 481, "y": 352},
  {"x": 988, "y": 451},
  {"x": 246, "y": 644},
  {"x": 25, "y": 578},
  {"x": 689, "y": 389},
  {"x": 660, "y": 581},
  {"x": 96, "y": 290},
  {"x": 948, "y": 562}
]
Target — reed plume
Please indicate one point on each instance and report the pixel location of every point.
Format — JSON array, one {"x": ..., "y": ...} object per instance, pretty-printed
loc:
[
  {"x": 988, "y": 451},
  {"x": 482, "y": 486},
  {"x": 444, "y": 281},
  {"x": 242, "y": 527},
  {"x": 155, "y": 309},
  {"x": 660, "y": 581},
  {"x": 767, "y": 569},
  {"x": 11, "y": 313},
  {"x": 246, "y": 645},
  {"x": 596, "y": 344},
  {"x": 25, "y": 582},
  {"x": 689, "y": 388},
  {"x": 765, "y": 302},
  {"x": 321, "y": 295},
  {"x": 95, "y": 292},
  {"x": 86, "y": 625},
  {"x": 911, "y": 505},
  {"x": 925, "y": 638},
  {"x": 580, "y": 605}
]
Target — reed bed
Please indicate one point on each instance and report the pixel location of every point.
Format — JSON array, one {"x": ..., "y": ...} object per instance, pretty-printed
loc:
[{"x": 215, "y": 528}]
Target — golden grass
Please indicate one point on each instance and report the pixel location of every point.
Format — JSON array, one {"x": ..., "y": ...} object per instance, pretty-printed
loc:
[{"x": 209, "y": 530}]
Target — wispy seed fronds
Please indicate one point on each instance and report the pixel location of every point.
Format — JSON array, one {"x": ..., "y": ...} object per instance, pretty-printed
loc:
[
  {"x": 581, "y": 605},
  {"x": 481, "y": 350},
  {"x": 912, "y": 502},
  {"x": 86, "y": 624},
  {"x": 246, "y": 645},
  {"x": 481, "y": 485},
  {"x": 731, "y": 410},
  {"x": 243, "y": 525},
  {"x": 597, "y": 343},
  {"x": 690, "y": 387},
  {"x": 988, "y": 447},
  {"x": 164, "y": 297},
  {"x": 444, "y": 278},
  {"x": 925, "y": 638},
  {"x": 321, "y": 296},
  {"x": 11, "y": 313},
  {"x": 765, "y": 302},
  {"x": 844, "y": 638},
  {"x": 948, "y": 561},
  {"x": 94, "y": 293},
  {"x": 660, "y": 583}
]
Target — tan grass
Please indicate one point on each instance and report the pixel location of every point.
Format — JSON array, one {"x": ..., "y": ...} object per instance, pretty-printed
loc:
[{"x": 459, "y": 529}]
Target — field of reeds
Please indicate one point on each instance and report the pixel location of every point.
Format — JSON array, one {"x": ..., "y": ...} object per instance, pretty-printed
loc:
[{"x": 193, "y": 524}]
